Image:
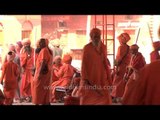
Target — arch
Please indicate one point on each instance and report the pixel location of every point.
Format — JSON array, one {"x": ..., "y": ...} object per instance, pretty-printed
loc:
[{"x": 27, "y": 27}]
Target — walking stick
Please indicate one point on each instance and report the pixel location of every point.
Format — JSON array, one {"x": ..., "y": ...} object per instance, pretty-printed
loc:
[{"x": 137, "y": 35}]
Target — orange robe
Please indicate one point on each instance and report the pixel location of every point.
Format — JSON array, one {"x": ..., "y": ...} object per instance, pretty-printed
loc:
[
  {"x": 65, "y": 75},
  {"x": 27, "y": 63},
  {"x": 137, "y": 63},
  {"x": 146, "y": 90},
  {"x": 118, "y": 82},
  {"x": 33, "y": 72},
  {"x": 41, "y": 90},
  {"x": 54, "y": 77},
  {"x": 10, "y": 73},
  {"x": 95, "y": 73},
  {"x": 154, "y": 55}
]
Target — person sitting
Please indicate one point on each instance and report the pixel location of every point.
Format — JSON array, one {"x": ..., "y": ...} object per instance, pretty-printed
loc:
[
  {"x": 65, "y": 74},
  {"x": 56, "y": 66}
]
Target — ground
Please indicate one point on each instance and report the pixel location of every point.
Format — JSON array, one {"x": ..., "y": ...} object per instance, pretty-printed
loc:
[{"x": 24, "y": 103}]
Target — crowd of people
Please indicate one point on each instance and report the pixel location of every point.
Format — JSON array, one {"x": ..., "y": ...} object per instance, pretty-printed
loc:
[
  {"x": 33, "y": 74},
  {"x": 29, "y": 75}
]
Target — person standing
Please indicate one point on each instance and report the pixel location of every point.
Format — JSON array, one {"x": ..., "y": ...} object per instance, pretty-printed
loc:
[
  {"x": 42, "y": 77},
  {"x": 93, "y": 89},
  {"x": 122, "y": 61},
  {"x": 10, "y": 73},
  {"x": 27, "y": 63}
]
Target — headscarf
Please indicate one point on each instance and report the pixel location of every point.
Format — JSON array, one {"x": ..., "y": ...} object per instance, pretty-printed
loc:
[
  {"x": 56, "y": 58},
  {"x": 55, "y": 42},
  {"x": 26, "y": 41},
  {"x": 123, "y": 38},
  {"x": 67, "y": 59},
  {"x": 19, "y": 43},
  {"x": 156, "y": 44},
  {"x": 11, "y": 55},
  {"x": 134, "y": 47},
  {"x": 11, "y": 47}
]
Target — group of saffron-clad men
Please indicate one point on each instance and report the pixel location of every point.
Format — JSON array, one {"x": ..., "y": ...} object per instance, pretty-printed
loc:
[{"x": 132, "y": 82}]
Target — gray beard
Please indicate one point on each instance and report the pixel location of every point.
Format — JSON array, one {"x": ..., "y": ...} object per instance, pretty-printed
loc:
[{"x": 95, "y": 44}]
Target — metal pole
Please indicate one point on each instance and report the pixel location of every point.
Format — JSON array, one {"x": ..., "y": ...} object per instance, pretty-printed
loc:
[
  {"x": 103, "y": 28},
  {"x": 137, "y": 35}
]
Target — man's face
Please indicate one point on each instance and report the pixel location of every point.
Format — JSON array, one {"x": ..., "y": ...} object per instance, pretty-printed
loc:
[
  {"x": 95, "y": 38},
  {"x": 42, "y": 43},
  {"x": 58, "y": 61},
  {"x": 27, "y": 47},
  {"x": 133, "y": 51}
]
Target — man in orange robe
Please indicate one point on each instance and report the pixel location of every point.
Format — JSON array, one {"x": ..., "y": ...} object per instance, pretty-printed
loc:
[
  {"x": 122, "y": 61},
  {"x": 42, "y": 77},
  {"x": 93, "y": 89},
  {"x": 10, "y": 73},
  {"x": 146, "y": 90},
  {"x": 16, "y": 49},
  {"x": 154, "y": 55},
  {"x": 137, "y": 62},
  {"x": 27, "y": 63},
  {"x": 56, "y": 67},
  {"x": 65, "y": 74}
]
